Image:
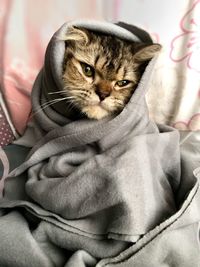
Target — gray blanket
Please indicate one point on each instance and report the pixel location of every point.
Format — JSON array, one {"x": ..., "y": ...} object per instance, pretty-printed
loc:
[{"x": 118, "y": 191}]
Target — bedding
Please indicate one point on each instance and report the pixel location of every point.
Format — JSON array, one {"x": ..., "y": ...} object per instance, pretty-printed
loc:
[
  {"x": 120, "y": 189},
  {"x": 6, "y": 134},
  {"x": 173, "y": 98}
]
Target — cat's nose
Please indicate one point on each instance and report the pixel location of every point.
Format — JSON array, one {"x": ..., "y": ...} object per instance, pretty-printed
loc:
[{"x": 102, "y": 93}]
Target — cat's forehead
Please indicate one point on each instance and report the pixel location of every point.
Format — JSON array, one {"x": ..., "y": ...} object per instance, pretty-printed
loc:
[
  {"x": 109, "y": 46},
  {"x": 108, "y": 55}
]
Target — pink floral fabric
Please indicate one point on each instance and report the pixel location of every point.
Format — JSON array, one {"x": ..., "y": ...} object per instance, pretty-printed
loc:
[
  {"x": 185, "y": 48},
  {"x": 174, "y": 94},
  {"x": 186, "y": 45}
]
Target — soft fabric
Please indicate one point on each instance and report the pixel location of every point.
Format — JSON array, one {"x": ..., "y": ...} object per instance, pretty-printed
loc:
[
  {"x": 90, "y": 190},
  {"x": 11, "y": 156}
]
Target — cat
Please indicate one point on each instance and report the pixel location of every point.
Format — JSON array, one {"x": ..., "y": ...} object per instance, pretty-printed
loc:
[{"x": 101, "y": 72}]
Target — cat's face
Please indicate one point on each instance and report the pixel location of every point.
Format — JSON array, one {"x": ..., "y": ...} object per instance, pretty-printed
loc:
[{"x": 101, "y": 72}]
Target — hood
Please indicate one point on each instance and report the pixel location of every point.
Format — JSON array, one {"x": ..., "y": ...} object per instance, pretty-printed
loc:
[{"x": 50, "y": 78}]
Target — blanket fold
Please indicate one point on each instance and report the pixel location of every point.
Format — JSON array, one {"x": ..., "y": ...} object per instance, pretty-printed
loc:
[{"x": 91, "y": 189}]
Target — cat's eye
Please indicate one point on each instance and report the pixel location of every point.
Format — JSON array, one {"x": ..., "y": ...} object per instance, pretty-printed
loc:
[
  {"x": 122, "y": 83},
  {"x": 87, "y": 70}
]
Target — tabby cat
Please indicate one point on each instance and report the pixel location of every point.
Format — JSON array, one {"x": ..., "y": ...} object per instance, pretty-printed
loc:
[{"x": 101, "y": 72}]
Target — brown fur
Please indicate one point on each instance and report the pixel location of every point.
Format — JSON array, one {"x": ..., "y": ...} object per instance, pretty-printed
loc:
[{"x": 112, "y": 60}]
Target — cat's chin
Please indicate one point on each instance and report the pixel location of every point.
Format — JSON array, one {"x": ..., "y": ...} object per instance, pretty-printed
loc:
[{"x": 95, "y": 112}]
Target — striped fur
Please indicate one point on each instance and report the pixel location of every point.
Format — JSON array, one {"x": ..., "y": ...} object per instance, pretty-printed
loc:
[{"x": 112, "y": 60}]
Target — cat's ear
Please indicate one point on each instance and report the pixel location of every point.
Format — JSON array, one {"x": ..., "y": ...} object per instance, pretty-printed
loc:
[
  {"x": 147, "y": 52},
  {"x": 77, "y": 35}
]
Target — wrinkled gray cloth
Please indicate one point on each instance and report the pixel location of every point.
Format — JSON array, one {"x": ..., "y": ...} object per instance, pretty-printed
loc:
[{"x": 100, "y": 193}]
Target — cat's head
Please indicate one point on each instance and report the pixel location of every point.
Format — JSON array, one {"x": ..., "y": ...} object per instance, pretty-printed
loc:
[{"x": 101, "y": 72}]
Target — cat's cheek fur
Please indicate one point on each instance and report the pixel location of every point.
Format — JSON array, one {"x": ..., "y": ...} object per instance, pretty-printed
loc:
[{"x": 95, "y": 112}]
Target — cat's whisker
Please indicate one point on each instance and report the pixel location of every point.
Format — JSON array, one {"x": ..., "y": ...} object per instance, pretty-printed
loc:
[
  {"x": 81, "y": 91},
  {"x": 70, "y": 98},
  {"x": 57, "y": 92},
  {"x": 80, "y": 97},
  {"x": 53, "y": 101},
  {"x": 121, "y": 104},
  {"x": 47, "y": 104},
  {"x": 73, "y": 103},
  {"x": 66, "y": 97},
  {"x": 77, "y": 92}
]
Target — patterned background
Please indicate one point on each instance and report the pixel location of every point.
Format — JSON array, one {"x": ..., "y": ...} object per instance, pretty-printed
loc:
[{"x": 27, "y": 25}]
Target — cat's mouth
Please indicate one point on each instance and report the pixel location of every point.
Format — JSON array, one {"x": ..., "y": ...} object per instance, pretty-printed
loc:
[
  {"x": 104, "y": 104},
  {"x": 101, "y": 104},
  {"x": 96, "y": 111}
]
